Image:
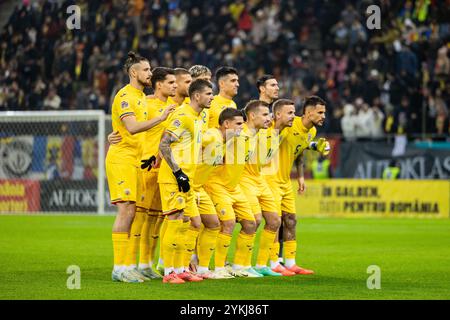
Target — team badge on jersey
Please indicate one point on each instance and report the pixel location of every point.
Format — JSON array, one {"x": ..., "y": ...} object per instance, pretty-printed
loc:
[
  {"x": 177, "y": 123},
  {"x": 124, "y": 104}
]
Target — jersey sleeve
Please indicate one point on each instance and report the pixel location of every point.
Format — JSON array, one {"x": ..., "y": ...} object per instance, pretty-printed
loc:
[
  {"x": 126, "y": 107},
  {"x": 176, "y": 126}
]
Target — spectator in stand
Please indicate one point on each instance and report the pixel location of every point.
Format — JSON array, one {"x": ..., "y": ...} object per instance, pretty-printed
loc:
[{"x": 52, "y": 101}]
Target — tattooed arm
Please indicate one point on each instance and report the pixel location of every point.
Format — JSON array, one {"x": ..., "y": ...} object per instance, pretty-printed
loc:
[
  {"x": 166, "y": 152},
  {"x": 300, "y": 164}
]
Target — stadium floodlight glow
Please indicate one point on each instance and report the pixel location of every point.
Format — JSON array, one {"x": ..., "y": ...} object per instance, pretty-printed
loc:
[{"x": 53, "y": 161}]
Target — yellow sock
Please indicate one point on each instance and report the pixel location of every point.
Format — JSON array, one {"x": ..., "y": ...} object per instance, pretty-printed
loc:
[
  {"x": 154, "y": 234},
  {"x": 120, "y": 243},
  {"x": 144, "y": 253},
  {"x": 265, "y": 244},
  {"x": 274, "y": 250},
  {"x": 290, "y": 249},
  {"x": 162, "y": 232},
  {"x": 135, "y": 237},
  {"x": 206, "y": 245},
  {"x": 178, "y": 260},
  {"x": 222, "y": 246},
  {"x": 190, "y": 239},
  {"x": 197, "y": 244},
  {"x": 170, "y": 241},
  {"x": 244, "y": 249}
]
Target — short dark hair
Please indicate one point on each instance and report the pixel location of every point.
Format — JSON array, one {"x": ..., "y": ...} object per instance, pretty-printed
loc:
[
  {"x": 262, "y": 81},
  {"x": 160, "y": 74},
  {"x": 224, "y": 71},
  {"x": 199, "y": 85},
  {"x": 132, "y": 59},
  {"x": 252, "y": 105},
  {"x": 180, "y": 71},
  {"x": 312, "y": 101},
  {"x": 229, "y": 114},
  {"x": 280, "y": 103}
]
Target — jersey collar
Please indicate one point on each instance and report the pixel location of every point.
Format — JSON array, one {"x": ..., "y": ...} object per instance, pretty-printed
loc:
[{"x": 134, "y": 90}]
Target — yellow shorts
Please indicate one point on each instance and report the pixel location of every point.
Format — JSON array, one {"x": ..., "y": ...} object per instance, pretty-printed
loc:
[
  {"x": 284, "y": 196},
  {"x": 259, "y": 195},
  {"x": 122, "y": 181},
  {"x": 148, "y": 191},
  {"x": 229, "y": 204},
  {"x": 204, "y": 202},
  {"x": 173, "y": 200}
]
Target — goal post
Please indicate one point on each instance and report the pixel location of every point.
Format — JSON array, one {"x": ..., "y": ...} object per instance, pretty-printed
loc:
[{"x": 53, "y": 161}]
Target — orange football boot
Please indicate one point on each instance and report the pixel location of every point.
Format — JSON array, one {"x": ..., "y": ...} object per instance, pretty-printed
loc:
[
  {"x": 297, "y": 270},
  {"x": 172, "y": 278},
  {"x": 284, "y": 272}
]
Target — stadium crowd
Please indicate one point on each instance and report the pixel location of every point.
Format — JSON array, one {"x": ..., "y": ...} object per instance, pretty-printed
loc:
[{"x": 392, "y": 80}]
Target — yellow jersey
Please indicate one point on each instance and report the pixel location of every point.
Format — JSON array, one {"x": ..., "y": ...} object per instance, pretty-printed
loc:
[
  {"x": 238, "y": 152},
  {"x": 170, "y": 101},
  {"x": 295, "y": 140},
  {"x": 152, "y": 137},
  {"x": 253, "y": 167},
  {"x": 186, "y": 126},
  {"x": 217, "y": 105},
  {"x": 129, "y": 101},
  {"x": 211, "y": 156}
]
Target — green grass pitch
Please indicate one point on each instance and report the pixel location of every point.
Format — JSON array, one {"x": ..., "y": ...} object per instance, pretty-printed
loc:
[{"x": 413, "y": 256}]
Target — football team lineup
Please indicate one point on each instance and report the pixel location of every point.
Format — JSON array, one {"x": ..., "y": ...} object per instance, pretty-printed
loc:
[{"x": 205, "y": 166}]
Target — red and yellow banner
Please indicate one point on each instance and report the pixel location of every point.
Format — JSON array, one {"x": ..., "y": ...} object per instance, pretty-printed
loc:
[
  {"x": 351, "y": 197},
  {"x": 19, "y": 196}
]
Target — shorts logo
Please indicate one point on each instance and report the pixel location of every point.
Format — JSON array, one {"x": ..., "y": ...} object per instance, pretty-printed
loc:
[
  {"x": 223, "y": 211},
  {"x": 177, "y": 123},
  {"x": 124, "y": 104},
  {"x": 180, "y": 200},
  {"x": 127, "y": 191}
]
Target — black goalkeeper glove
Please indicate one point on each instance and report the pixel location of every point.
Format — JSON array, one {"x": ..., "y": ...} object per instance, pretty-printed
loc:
[
  {"x": 148, "y": 163},
  {"x": 182, "y": 180}
]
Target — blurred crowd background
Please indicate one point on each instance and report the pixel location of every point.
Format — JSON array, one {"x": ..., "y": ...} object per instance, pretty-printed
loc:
[{"x": 376, "y": 82}]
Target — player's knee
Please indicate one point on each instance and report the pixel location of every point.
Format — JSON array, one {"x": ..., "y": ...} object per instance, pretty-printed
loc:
[
  {"x": 196, "y": 223},
  {"x": 228, "y": 226},
  {"x": 258, "y": 220},
  {"x": 212, "y": 224},
  {"x": 273, "y": 224},
  {"x": 248, "y": 226},
  {"x": 290, "y": 221}
]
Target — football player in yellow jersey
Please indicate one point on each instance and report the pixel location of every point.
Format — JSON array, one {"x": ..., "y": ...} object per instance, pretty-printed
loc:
[
  {"x": 180, "y": 148},
  {"x": 213, "y": 144},
  {"x": 149, "y": 202},
  {"x": 295, "y": 140},
  {"x": 231, "y": 203},
  {"x": 122, "y": 158},
  {"x": 184, "y": 80},
  {"x": 268, "y": 89},
  {"x": 228, "y": 82},
  {"x": 255, "y": 186},
  {"x": 200, "y": 72}
]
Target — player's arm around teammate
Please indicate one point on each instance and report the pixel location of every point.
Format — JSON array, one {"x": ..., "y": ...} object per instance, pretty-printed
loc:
[{"x": 121, "y": 159}]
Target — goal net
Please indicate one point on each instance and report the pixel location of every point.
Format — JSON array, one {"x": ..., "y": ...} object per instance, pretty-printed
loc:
[{"x": 53, "y": 162}]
